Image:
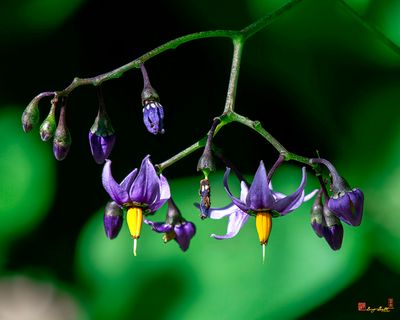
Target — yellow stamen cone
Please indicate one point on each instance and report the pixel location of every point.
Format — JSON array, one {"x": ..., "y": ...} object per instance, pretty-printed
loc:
[
  {"x": 134, "y": 218},
  {"x": 263, "y": 225}
]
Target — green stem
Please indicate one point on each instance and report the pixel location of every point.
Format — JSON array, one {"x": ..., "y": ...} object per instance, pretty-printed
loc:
[{"x": 238, "y": 44}]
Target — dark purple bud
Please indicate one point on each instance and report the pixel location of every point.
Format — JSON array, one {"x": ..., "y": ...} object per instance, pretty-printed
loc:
[
  {"x": 333, "y": 232},
  {"x": 184, "y": 233},
  {"x": 346, "y": 203},
  {"x": 30, "y": 116},
  {"x": 48, "y": 126},
  {"x": 205, "y": 198},
  {"x": 113, "y": 218},
  {"x": 101, "y": 134},
  {"x": 153, "y": 117},
  {"x": 62, "y": 138},
  {"x": 317, "y": 218},
  {"x": 101, "y": 146},
  {"x": 153, "y": 112}
]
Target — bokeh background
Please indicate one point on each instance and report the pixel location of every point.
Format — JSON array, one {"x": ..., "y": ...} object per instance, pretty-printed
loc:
[{"x": 317, "y": 79}]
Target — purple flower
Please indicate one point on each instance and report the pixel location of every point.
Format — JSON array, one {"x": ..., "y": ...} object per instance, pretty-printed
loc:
[
  {"x": 153, "y": 117},
  {"x": 175, "y": 227},
  {"x": 140, "y": 193},
  {"x": 260, "y": 201},
  {"x": 113, "y": 218}
]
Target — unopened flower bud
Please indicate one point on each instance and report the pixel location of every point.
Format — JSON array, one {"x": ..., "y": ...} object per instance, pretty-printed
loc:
[
  {"x": 317, "y": 218},
  {"x": 206, "y": 162},
  {"x": 113, "y": 218},
  {"x": 101, "y": 137},
  {"x": 153, "y": 111},
  {"x": 333, "y": 232},
  {"x": 48, "y": 126},
  {"x": 62, "y": 138},
  {"x": 153, "y": 117},
  {"x": 346, "y": 203},
  {"x": 30, "y": 116}
]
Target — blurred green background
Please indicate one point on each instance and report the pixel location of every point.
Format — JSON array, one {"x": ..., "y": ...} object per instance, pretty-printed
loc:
[{"x": 317, "y": 79}]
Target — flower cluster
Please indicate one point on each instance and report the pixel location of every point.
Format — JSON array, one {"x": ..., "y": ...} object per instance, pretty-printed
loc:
[{"x": 145, "y": 190}]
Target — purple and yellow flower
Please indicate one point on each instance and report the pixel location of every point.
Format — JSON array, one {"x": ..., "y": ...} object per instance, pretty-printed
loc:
[
  {"x": 175, "y": 227},
  {"x": 260, "y": 201},
  {"x": 139, "y": 193}
]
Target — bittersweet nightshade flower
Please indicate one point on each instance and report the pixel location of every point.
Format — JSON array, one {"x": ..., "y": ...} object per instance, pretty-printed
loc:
[
  {"x": 346, "y": 203},
  {"x": 140, "y": 193},
  {"x": 113, "y": 218},
  {"x": 260, "y": 201},
  {"x": 175, "y": 227}
]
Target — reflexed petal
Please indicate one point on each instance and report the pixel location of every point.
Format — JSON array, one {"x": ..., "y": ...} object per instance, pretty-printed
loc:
[
  {"x": 115, "y": 191},
  {"x": 218, "y": 213},
  {"x": 145, "y": 188},
  {"x": 236, "y": 222},
  {"x": 236, "y": 201},
  {"x": 293, "y": 201},
  {"x": 159, "y": 227},
  {"x": 310, "y": 195},
  {"x": 260, "y": 196},
  {"x": 184, "y": 232}
]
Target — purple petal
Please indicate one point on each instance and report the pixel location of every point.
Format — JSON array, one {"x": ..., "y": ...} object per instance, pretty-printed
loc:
[
  {"x": 218, "y": 213},
  {"x": 236, "y": 222},
  {"x": 128, "y": 180},
  {"x": 293, "y": 201},
  {"x": 236, "y": 201},
  {"x": 115, "y": 191},
  {"x": 145, "y": 188},
  {"x": 184, "y": 232},
  {"x": 101, "y": 146},
  {"x": 260, "y": 195},
  {"x": 164, "y": 195},
  {"x": 160, "y": 227}
]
